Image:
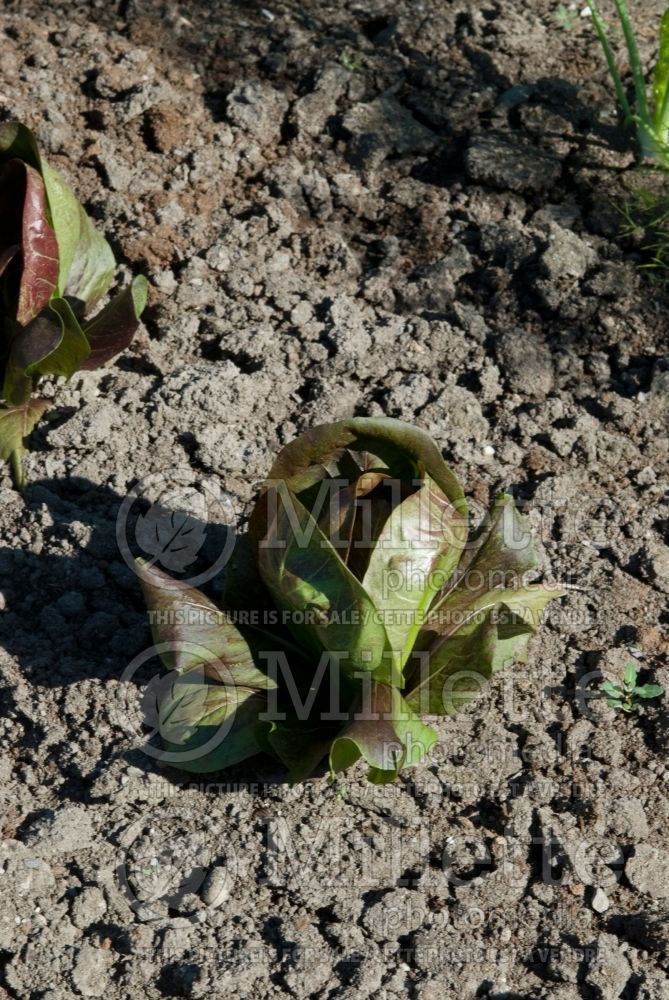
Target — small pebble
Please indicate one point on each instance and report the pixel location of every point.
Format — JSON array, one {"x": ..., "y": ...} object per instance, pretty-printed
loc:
[{"x": 600, "y": 901}]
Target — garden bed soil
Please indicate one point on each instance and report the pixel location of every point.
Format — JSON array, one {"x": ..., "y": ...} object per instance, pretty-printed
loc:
[{"x": 354, "y": 208}]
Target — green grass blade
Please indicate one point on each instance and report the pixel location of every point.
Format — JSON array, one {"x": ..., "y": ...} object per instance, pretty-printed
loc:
[
  {"x": 661, "y": 82},
  {"x": 635, "y": 62},
  {"x": 600, "y": 28}
]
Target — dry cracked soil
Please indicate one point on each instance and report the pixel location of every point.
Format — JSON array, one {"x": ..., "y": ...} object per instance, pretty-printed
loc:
[{"x": 355, "y": 208}]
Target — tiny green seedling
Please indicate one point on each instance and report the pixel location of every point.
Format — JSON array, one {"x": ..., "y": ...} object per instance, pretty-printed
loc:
[
  {"x": 351, "y": 62},
  {"x": 566, "y": 18},
  {"x": 628, "y": 696},
  {"x": 650, "y": 118}
]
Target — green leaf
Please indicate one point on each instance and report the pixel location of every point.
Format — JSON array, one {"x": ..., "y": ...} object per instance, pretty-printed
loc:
[
  {"x": 602, "y": 34},
  {"x": 630, "y": 675},
  {"x": 499, "y": 552},
  {"x": 66, "y": 219},
  {"x": 614, "y": 703},
  {"x": 527, "y": 603},
  {"x": 16, "y": 423},
  {"x": 194, "y": 631},
  {"x": 386, "y": 733},
  {"x": 209, "y": 703},
  {"x": 306, "y": 577},
  {"x": 415, "y": 553},
  {"x": 87, "y": 263},
  {"x": 112, "y": 330},
  {"x": 72, "y": 349},
  {"x": 299, "y": 746},
  {"x": 635, "y": 61},
  {"x": 206, "y": 722},
  {"x": 17, "y": 142},
  {"x": 471, "y": 644},
  {"x": 661, "y": 81},
  {"x": 29, "y": 346},
  {"x": 481, "y": 623},
  {"x": 608, "y": 687},
  {"x": 456, "y": 671},
  {"x": 648, "y": 691},
  {"x": 52, "y": 344}
]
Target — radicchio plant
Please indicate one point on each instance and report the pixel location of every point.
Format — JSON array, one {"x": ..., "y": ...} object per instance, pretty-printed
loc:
[
  {"x": 55, "y": 268},
  {"x": 383, "y": 608}
]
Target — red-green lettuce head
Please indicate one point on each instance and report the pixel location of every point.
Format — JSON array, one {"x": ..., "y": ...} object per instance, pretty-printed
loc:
[{"x": 359, "y": 525}]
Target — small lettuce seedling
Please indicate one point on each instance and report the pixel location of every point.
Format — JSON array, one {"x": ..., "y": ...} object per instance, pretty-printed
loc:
[
  {"x": 626, "y": 697},
  {"x": 650, "y": 118},
  {"x": 55, "y": 268},
  {"x": 383, "y": 607}
]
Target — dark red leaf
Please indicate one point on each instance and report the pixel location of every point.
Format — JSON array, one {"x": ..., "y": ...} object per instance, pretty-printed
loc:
[
  {"x": 40, "y": 251},
  {"x": 113, "y": 329}
]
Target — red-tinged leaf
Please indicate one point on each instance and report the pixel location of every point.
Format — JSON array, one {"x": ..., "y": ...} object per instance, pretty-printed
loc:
[
  {"x": 52, "y": 344},
  {"x": 209, "y": 703},
  {"x": 195, "y": 631},
  {"x": 465, "y": 649},
  {"x": 381, "y": 444},
  {"x": 114, "y": 327},
  {"x": 30, "y": 345},
  {"x": 306, "y": 577},
  {"x": 339, "y": 514},
  {"x": 498, "y": 555},
  {"x": 38, "y": 240},
  {"x": 205, "y": 724},
  {"x": 87, "y": 263},
  {"x": 386, "y": 733}
]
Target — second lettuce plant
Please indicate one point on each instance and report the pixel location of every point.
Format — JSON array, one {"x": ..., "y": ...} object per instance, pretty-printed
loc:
[
  {"x": 55, "y": 269},
  {"x": 383, "y": 607}
]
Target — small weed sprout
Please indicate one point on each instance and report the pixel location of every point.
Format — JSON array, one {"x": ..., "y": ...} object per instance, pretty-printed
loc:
[
  {"x": 350, "y": 61},
  {"x": 566, "y": 17},
  {"x": 628, "y": 696}
]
